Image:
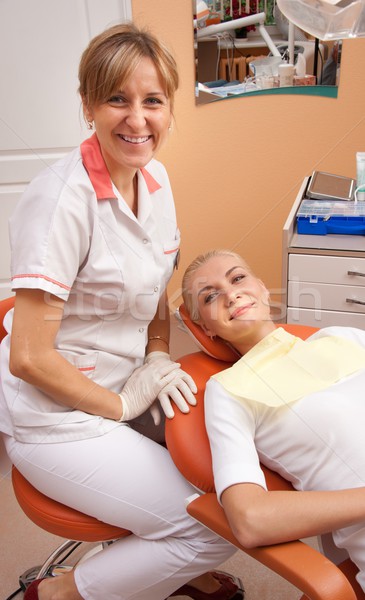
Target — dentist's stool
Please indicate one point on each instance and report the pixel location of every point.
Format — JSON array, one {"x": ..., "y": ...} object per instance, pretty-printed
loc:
[
  {"x": 54, "y": 517},
  {"x": 58, "y": 519}
]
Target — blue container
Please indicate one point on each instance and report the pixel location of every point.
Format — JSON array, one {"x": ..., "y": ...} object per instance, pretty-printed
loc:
[{"x": 316, "y": 225}]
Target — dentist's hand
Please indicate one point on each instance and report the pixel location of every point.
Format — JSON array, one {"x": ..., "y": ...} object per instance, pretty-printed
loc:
[
  {"x": 144, "y": 385},
  {"x": 180, "y": 389}
]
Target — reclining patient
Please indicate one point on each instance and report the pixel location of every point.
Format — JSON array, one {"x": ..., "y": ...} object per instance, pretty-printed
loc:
[{"x": 296, "y": 406}]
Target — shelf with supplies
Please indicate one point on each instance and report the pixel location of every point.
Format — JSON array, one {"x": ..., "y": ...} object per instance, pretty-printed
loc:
[
  {"x": 233, "y": 56},
  {"x": 323, "y": 276}
]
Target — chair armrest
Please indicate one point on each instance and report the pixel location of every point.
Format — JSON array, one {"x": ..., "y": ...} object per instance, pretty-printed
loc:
[{"x": 300, "y": 564}]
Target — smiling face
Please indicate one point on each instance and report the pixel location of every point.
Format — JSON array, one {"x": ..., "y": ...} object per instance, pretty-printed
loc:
[
  {"x": 133, "y": 123},
  {"x": 232, "y": 303}
]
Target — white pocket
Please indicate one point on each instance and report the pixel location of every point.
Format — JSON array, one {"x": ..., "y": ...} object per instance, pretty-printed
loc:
[
  {"x": 173, "y": 246},
  {"x": 86, "y": 363}
]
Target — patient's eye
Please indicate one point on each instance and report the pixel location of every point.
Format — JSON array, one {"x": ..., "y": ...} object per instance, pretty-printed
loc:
[
  {"x": 210, "y": 297},
  {"x": 238, "y": 277}
]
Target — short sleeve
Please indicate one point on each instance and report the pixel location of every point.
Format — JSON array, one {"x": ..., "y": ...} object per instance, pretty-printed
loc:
[
  {"x": 350, "y": 333},
  {"x": 50, "y": 231},
  {"x": 231, "y": 430}
]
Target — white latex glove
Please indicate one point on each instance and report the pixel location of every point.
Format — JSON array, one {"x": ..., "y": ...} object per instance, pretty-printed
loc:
[
  {"x": 143, "y": 387},
  {"x": 180, "y": 389}
]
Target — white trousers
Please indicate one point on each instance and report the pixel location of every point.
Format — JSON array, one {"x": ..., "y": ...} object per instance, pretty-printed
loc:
[{"x": 128, "y": 480}]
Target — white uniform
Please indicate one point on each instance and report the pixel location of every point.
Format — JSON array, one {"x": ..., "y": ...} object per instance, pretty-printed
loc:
[
  {"x": 72, "y": 235},
  {"x": 75, "y": 237},
  {"x": 316, "y": 442}
]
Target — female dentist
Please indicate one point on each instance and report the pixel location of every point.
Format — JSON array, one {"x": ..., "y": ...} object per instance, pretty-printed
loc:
[{"x": 94, "y": 243}]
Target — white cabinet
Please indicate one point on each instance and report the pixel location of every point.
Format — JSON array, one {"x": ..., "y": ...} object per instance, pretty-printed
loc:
[{"x": 323, "y": 276}]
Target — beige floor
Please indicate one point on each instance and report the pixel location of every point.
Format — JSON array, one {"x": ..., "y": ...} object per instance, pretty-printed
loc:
[{"x": 24, "y": 545}]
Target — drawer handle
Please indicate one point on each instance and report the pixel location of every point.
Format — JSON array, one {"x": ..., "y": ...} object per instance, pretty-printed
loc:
[
  {"x": 353, "y": 301},
  {"x": 356, "y": 273}
]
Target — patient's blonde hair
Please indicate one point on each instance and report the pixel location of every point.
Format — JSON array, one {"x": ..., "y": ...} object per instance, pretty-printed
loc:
[{"x": 202, "y": 259}]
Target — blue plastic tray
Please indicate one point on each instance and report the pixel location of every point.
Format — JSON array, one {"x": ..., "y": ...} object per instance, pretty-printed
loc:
[
  {"x": 322, "y": 226},
  {"x": 319, "y": 217}
]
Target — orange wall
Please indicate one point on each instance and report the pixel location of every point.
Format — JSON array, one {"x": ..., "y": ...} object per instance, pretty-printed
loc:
[{"x": 236, "y": 166}]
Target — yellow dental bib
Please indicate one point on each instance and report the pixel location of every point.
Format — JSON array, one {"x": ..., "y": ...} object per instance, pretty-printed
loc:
[{"x": 282, "y": 368}]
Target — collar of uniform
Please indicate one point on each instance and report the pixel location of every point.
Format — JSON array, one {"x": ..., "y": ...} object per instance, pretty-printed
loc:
[{"x": 98, "y": 173}]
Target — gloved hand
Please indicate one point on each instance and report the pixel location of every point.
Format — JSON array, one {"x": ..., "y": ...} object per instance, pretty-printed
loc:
[
  {"x": 180, "y": 389},
  {"x": 144, "y": 385}
]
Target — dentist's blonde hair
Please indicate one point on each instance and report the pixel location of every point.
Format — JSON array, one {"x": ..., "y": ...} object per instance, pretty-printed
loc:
[{"x": 199, "y": 261}]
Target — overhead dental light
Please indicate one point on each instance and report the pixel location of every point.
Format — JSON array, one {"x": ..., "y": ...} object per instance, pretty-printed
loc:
[
  {"x": 203, "y": 31},
  {"x": 326, "y": 19}
]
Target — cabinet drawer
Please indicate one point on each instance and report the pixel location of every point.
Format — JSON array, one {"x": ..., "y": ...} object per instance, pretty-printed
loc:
[
  {"x": 322, "y": 296},
  {"x": 327, "y": 269},
  {"x": 325, "y": 318}
]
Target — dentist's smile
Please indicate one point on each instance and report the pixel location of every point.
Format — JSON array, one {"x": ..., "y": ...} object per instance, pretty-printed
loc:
[{"x": 135, "y": 140}]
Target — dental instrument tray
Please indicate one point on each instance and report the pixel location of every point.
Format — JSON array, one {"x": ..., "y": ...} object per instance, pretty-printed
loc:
[{"x": 320, "y": 217}]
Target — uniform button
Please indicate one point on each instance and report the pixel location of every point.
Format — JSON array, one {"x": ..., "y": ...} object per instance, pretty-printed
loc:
[
  {"x": 156, "y": 289},
  {"x": 145, "y": 241},
  {"x": 141, "y": 329}
]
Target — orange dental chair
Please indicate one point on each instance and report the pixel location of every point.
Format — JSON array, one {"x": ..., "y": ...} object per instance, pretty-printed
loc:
[
  {"x": 54, "y": 517},
  {"x": 300, "y": 564}
]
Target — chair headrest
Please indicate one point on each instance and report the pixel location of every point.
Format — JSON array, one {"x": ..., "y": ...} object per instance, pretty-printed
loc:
[{"x": 217, "y": 348}]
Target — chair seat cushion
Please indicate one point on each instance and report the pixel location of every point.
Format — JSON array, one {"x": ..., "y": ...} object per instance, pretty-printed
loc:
[{"x": 59, "y": 519}]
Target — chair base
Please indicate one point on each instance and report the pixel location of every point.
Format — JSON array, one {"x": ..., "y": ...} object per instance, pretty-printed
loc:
[
  {"x": 26, "y": 578},
  {"x": 54, "y": 565},
  {"x": 50, "y": 567}
]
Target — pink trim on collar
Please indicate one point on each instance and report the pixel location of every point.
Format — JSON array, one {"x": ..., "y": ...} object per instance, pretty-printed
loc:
[
  {"x": 96, "y": 168},
  {"x": 152, "y": 184},
  {"x": 99, "y": 176}
]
